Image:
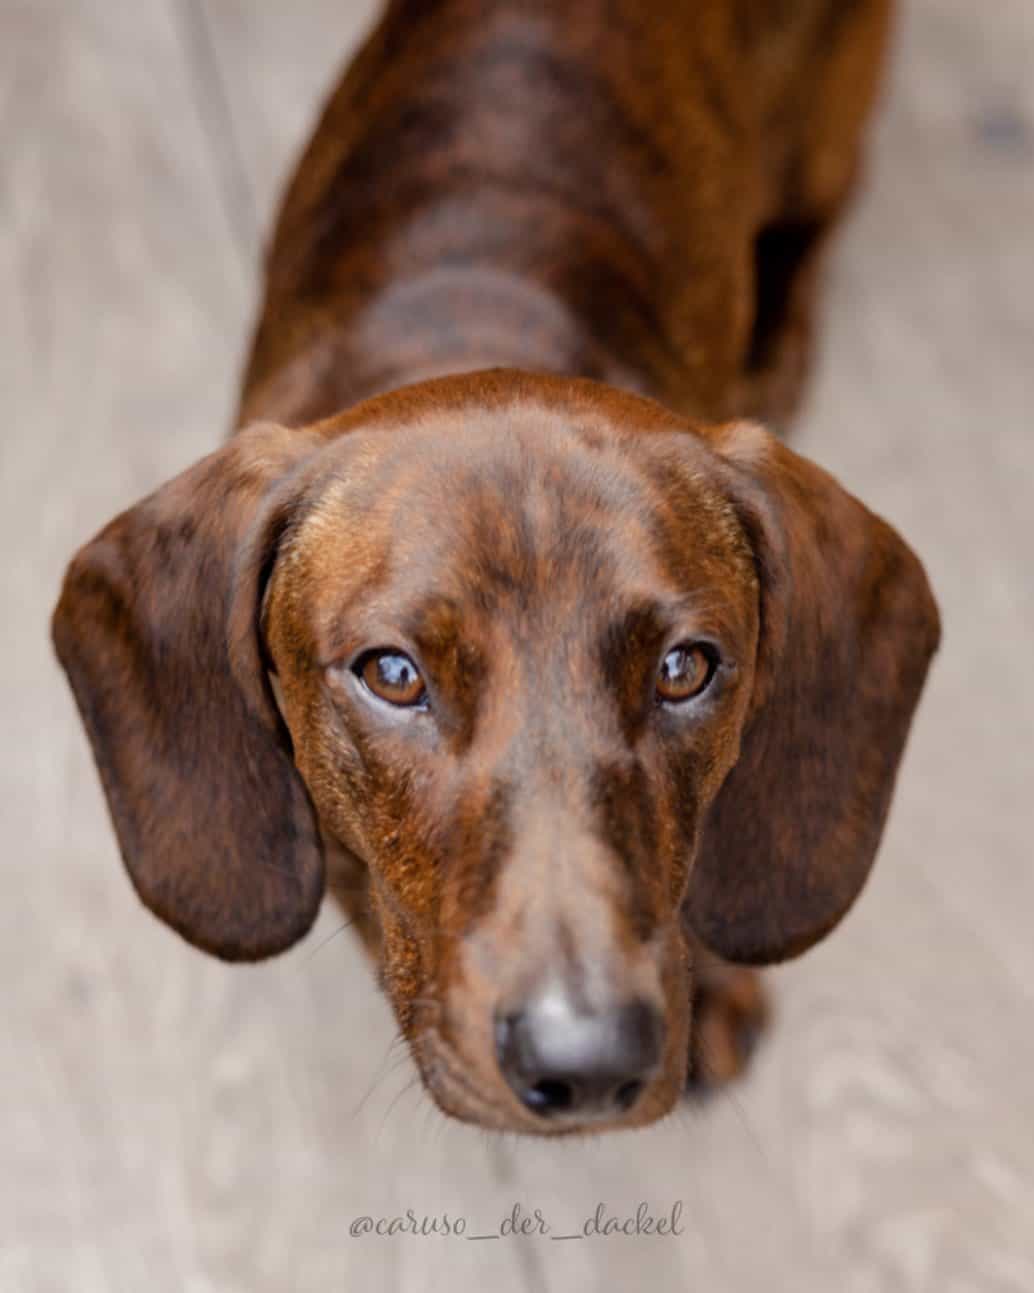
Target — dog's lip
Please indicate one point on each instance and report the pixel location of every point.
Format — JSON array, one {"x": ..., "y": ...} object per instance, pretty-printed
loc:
[{"x": 451, "y": 1089}]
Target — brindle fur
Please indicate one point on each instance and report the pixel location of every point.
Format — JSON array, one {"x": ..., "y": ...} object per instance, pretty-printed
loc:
[{"x": 526, "y": 196}]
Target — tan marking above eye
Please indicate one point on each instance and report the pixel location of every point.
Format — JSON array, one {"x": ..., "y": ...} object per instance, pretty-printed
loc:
[
  {"x": 684, "y": 673},
  {"x": 392, "y": 676}
]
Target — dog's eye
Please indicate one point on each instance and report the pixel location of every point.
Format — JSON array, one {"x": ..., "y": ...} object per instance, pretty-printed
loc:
[
  {"x": 393, "y": 677},
  {"x": 685, "y": 672}
]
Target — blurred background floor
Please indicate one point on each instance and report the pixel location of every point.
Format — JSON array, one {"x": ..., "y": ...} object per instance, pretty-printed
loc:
[{"x": 169, "y": 1123}]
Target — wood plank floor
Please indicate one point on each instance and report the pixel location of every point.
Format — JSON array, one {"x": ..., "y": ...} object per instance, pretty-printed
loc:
[{"x": 168, "y": 1123}]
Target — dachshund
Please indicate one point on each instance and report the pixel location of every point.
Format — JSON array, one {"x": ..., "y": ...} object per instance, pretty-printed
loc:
[{"x": 501, "y": 616}]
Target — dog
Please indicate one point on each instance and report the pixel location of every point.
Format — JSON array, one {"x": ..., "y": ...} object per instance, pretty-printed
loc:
[{"x": 501, "y": 616}]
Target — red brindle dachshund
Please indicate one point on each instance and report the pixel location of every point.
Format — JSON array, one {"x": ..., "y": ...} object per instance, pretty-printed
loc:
[{"x": 572, "y": 685}]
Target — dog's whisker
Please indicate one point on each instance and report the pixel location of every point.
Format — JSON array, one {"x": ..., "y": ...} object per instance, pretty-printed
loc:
[
  {"x": 748, "y": 1126},
  {"x": 723, "y": 1089},
  {"x": 399, "y": 1062},
  {"x": 380, "y": 1075},
  {"x": 413, "y": 1081},
  {"x": 329, "y": 939}
]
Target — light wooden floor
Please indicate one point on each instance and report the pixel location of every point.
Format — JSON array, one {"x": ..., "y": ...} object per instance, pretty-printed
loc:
[{"x": 168, "y": 1123}]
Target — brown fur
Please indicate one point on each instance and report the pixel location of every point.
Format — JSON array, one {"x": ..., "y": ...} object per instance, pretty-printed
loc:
[
  {"x": 598, "y": 190},
  {"x": 632, "y": 192}
]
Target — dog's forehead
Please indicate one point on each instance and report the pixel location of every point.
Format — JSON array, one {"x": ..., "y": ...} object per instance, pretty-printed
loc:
[{"x": 521, "y": 507}]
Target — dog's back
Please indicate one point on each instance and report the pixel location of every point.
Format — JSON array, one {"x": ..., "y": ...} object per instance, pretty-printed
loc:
[{"x": 597, "y": 188}]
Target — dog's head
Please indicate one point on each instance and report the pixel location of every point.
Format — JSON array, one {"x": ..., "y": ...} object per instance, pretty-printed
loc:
[{"x": 569, "y": 677}]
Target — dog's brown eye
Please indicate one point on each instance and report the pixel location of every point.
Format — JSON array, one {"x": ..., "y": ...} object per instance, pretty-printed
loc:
[
  {"x": 393, "y": 677},
  {"x": 685, "y": 672}
]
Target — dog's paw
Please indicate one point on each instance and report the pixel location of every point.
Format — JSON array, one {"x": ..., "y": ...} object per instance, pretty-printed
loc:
[{"x": 730, "y": 1012}]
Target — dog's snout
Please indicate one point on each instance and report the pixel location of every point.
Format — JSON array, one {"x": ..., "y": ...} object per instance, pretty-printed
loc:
[{"x": 565, "y": 1063}]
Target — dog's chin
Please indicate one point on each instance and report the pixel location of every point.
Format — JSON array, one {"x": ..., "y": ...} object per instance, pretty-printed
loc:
[{"x": 458, "y": 1096}]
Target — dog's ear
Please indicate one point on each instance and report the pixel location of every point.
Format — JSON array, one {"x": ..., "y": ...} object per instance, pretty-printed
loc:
[
  {"x": 157, "y": 629},
  {"x": 848, "y": 628}
]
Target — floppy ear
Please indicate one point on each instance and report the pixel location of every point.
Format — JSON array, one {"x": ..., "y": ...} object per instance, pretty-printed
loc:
[
  {"x": 157, "y": 629},
  {"x": 848, "y": 628}
]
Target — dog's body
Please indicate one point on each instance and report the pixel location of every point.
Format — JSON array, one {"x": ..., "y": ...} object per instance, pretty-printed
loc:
[{"x": 567, "y": 687}]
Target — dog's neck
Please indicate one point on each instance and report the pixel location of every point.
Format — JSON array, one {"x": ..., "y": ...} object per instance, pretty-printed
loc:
[
  {"x": 435, "y": 322},
  {"x": 460, "y": 319}
]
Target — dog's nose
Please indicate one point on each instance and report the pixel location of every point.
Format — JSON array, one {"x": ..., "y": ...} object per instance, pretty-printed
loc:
[{"x": 565, "y": 1063}]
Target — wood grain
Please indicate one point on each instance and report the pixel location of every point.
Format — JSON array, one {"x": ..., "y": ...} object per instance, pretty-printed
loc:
[{"x": 171, "y": 1123}]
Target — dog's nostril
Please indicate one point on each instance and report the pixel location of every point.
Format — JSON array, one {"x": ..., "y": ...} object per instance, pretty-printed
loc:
[
  {"x": 627, "y": 1094},
  {"x": 548, "y": 1096},
  {"x": 559, "y": 1061}
]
